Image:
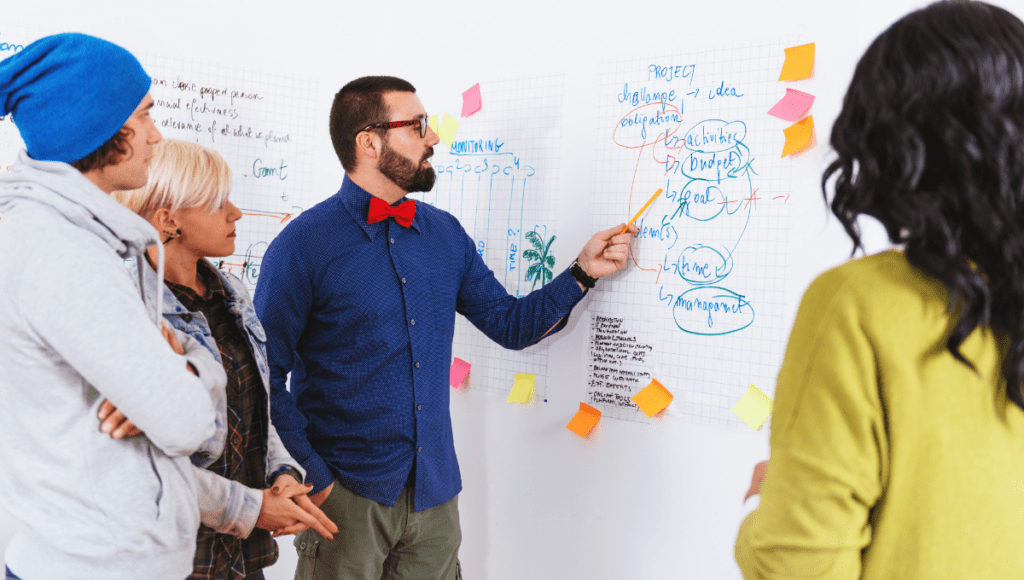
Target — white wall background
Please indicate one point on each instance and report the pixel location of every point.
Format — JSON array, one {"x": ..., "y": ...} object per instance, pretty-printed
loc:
[{"x": 632, "y": 501}]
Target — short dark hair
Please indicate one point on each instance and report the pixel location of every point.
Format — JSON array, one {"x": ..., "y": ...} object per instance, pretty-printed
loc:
[
  {"x": 930, "y": 142},
  {"x": 110, "y": 153},
  {"x": 358, "y": 104}
]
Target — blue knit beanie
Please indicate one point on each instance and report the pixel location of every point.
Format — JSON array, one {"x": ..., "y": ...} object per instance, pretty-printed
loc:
[{"x": 70, "y": 93}]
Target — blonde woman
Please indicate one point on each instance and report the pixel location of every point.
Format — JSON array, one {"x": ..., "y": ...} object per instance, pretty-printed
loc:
[{"x": 186, "y": 200}]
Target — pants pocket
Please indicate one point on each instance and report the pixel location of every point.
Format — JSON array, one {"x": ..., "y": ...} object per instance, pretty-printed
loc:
[{"x": 307, "y": 545}]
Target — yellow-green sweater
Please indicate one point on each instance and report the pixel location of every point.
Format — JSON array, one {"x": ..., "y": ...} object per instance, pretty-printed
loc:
[{"x": 889, "y": 459}]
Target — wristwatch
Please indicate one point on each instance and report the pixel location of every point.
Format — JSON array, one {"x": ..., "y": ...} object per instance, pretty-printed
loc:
[{"x": 581, "y": 276}]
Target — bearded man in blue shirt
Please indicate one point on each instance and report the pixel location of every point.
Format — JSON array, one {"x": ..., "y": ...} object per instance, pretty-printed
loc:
[{"x": 358, "y": 296}]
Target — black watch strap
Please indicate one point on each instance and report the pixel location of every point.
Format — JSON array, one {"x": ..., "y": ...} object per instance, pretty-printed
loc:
[{"x": 581, "y": 276}]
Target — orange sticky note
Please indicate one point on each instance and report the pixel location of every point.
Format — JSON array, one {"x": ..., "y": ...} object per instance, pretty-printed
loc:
[
  {"x": 653, "y": 398},
  {"x": 522, "y": 389},
  {"x": 799, "y": 62},
  {"x": 460, "y": 370},
  {"x": 584, "y": 420},
  {"x": 753, "y": 407},
  {"x": 798, "y": 136}
]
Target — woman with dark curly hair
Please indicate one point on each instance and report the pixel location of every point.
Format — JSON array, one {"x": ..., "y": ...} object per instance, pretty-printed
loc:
[{"x": 897, "y": 447}]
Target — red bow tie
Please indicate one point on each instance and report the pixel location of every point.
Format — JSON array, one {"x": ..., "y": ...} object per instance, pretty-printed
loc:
[{"x": 380, "y": 211}]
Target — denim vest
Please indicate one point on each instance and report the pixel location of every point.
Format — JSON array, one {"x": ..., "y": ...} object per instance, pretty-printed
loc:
[{"x": 240, "y": 305}]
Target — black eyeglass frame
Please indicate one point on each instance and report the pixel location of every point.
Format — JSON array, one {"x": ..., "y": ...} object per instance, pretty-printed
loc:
[{"x": 421, "y": 122}]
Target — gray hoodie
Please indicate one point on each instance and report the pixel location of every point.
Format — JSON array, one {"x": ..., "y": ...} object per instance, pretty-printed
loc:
[{"x": 73, "y": 332}]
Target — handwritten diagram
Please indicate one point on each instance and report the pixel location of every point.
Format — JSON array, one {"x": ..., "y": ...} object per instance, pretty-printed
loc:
[
  {"x": 262, "y": 127},
  {"x": 700, "y": 305},
  {"x": 260, "y": 123},
  {"x": 498, "y": 179}
]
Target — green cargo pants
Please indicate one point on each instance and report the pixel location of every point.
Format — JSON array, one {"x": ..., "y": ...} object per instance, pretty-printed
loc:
[{"x": 377, "y": 542}]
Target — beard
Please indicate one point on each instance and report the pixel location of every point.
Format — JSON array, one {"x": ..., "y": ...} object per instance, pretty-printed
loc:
[{"x": 404, "y": 173}]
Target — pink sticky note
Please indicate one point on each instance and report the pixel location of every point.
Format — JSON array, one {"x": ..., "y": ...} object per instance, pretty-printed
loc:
[
  {"x": 460, "y": 370},
  {"x": 471, "y": 100},
  {"x": 793, "y": 106}
]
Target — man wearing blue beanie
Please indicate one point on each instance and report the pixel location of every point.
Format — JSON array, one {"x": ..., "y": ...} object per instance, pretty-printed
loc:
[{"x": 74, "y": 332}]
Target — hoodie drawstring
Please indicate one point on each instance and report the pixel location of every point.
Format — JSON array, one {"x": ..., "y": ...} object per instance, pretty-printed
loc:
[
  {"x": 159, "y": 283},
  {"x": 140, "y": 263}
]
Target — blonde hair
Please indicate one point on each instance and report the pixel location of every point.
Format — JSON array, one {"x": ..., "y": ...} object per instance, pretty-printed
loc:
[{"x": 182, "y": 175}]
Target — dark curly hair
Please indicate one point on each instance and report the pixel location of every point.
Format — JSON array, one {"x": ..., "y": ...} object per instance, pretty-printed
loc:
[
  {"x": 112, "y": 152},
  {"x": 358, "y": 104},
  {"x": 930, "y": 142}
]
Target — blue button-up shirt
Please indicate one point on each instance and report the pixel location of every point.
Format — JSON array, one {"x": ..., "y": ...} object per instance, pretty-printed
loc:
[{"x": 363, "y": 316}]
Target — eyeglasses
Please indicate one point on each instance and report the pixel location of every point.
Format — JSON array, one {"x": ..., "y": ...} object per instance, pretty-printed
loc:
[{"x": 420, "y": 122}]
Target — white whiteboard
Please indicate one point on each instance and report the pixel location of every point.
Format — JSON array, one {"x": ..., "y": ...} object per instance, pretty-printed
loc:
[{"x": 638, "y": 498}]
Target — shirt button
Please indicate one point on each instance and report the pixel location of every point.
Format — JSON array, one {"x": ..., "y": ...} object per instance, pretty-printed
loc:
[
  {"x": 412, "y": 322},
  {"x": 235, "y": 440},
  {"x": 403, "y": 280},
  {"x": 416, "y": 364},
  {"x": 418, "y": 449},
  {"x": 419, "y": 407},
  {"x": 186, "y": 317},
  {"x": 392, "y": 240}
]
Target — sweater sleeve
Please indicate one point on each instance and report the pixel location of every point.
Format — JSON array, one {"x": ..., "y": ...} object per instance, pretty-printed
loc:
[
  {"x": 211, "y": 373},
  {"x": 84, "y": 305},
  {"x": 828, "y": 447},
  {"x": 227, "y": 506}
]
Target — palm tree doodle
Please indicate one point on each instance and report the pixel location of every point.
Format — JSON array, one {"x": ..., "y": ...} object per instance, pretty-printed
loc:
[{"x": 541, "y": 270}]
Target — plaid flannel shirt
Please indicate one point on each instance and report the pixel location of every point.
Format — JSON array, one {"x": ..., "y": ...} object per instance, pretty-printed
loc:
[{"x": 223, "y": 556}]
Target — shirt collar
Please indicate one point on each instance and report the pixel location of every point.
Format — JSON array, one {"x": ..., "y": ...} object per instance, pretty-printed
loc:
[
  {"x": 357, "y": 201},
  {"x": 214, "y": 288}
]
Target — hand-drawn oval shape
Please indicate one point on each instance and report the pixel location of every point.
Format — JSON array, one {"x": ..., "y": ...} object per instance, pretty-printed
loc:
[
  {"x": 717, "y": 166},
  {"x": 712, "y": 311},
  {"x": 646, "y": 125},
  {"x": 703, "y": 200},
  {"x": 702, "y": 265},
  {"x": 714, "y": 135}
]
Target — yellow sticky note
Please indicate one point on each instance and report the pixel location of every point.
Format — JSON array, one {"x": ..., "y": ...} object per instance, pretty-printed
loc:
[
  {"x": 753, "y": 407},
  {"x": 584, "y": 420},
  {"x": 522, "y": 390},
  {"x": 798, "y": 136},
  {"x": 799, "y": 62},
  {"x": 449, "y": 126},
  {"x": 432, "y": 122},
  {"x": 653, "y": 398}
]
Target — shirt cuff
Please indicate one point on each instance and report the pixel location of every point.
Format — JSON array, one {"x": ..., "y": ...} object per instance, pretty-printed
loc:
[
  {"x": 318, "y": 473},
  {"x": 284, "y": 469},
  {"x": 565, "y": 290}
]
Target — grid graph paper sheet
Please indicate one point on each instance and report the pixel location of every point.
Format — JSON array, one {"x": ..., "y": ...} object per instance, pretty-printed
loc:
[
  {"x": 500, "y": 179},
  {"x": 700, "y": 306},
  {"x": 263, "y": 126}
]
